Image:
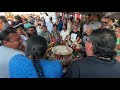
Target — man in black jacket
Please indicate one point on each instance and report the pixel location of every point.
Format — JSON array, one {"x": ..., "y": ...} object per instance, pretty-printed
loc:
[{"x": 100, "y": 62}]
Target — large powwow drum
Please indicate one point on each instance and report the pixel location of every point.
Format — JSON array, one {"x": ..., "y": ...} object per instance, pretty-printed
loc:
[{"x": 63, "y": 53}]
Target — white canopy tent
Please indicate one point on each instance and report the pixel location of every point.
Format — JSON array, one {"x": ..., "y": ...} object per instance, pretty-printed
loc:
[
  {"x": 115, "y": 15},
  {"x": 2, "y": 14}
]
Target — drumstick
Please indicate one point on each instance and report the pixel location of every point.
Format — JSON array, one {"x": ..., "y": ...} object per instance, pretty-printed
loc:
[
  {"x": 52, "y": 54},
  {"x": 49, "y": 49},
  {"x": 50, "y": 43},
  {"x": 70, "y": 52},
  {"x": 73, "y": 55},
  {"x": 68, "y": 49}
]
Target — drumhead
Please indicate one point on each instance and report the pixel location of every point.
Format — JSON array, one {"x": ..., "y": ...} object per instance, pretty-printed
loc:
[{"x": 62, "y": 50}]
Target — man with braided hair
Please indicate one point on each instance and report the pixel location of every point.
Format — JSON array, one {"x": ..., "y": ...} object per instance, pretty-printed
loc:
[{"x": 34, "y": 65}]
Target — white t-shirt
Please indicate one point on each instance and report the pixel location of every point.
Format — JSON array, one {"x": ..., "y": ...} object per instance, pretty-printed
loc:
[
  {"x": 39, "y": 30},
  {"x": 49, "y": 26},
  {"x": 5, "y": 55},
  {"x": 24, "y": 39},
  {"x": 64, "y": 34},
  {"x": 10, "y": 22},
  {"x": 73, "y": 37}
]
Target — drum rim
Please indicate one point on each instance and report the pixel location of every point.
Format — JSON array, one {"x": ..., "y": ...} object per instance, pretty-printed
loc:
[{"x": 59, "y": 53}]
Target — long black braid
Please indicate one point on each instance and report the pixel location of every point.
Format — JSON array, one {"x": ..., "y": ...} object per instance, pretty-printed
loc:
[
  {"x": 36, "y": 47},
  {"x": 41, "y": 69},
  {"x": 36, "y": 69},
  {"x": 37, "y": 66}
]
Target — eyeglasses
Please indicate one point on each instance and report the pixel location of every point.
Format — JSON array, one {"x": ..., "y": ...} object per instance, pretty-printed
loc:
[
  {"x": 75, "y": 28},
  {"x": 17, "y": 40},
  {"x": 88, "y": 40},
  {"x": 117, "y": 31},
  {"x": 44, "y": 28}
]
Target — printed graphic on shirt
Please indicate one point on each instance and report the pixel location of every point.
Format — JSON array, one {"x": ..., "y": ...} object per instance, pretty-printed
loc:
[{"x": 73, "y": 37}]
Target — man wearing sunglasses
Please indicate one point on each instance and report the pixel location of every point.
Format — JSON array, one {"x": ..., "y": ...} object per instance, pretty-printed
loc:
[{"x": 74, "y": 36}]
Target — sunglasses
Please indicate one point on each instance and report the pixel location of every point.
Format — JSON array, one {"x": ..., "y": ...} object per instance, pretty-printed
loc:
[
  {"x": 31, "y": 30},
  {"x": 75, "y": 28}
]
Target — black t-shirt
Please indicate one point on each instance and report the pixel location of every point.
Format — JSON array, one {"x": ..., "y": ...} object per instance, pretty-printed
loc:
[
  {"x": 76, "y": 34},
  {"x": 92, "y": 67}
]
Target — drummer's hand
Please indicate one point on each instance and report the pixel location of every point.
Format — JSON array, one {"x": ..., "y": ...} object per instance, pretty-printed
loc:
[
  {"x": 68, "y": 37},
  {"x": 55, "y": 40},
  {"x": 79, "y": 41},
  {"x": 73, "y": 45},
  {"x": 64, "y": 41}
]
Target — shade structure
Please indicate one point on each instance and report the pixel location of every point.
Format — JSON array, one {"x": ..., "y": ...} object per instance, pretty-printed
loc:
[
  {"x": 93, "y": 13},
  {"x": 116, "y": 15}
]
